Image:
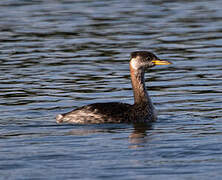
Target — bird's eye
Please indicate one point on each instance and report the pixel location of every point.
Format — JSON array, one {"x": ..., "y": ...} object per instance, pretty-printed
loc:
[{"x": 148, "y": 58}]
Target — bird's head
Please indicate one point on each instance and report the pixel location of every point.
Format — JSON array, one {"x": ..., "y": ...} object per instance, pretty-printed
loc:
[{"x": 144, "y": 60}]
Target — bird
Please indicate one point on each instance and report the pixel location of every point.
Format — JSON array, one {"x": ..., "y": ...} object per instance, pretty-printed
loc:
[{"x": 142, "y": 111}]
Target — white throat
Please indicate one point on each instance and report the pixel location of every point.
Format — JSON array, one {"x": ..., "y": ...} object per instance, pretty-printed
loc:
[{"x": 134, "y": 63}]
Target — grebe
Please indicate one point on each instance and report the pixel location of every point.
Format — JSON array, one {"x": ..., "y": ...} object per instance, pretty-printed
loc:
[{"x": 142, "y": 111}]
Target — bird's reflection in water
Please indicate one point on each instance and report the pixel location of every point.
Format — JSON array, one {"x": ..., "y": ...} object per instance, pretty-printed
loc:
[
  {"x": 95, "y": 129},
  {"x": 138, "y": 137}
]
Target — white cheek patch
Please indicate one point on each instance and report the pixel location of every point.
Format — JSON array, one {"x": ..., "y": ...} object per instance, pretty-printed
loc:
[{"x": 134, "y": 63}]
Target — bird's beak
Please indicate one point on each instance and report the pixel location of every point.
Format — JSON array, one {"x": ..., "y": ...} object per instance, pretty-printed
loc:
[{"x": 161, "y": 62}]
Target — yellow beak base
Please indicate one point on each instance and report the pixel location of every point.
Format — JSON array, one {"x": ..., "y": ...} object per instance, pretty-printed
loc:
[{"x": 161, "y": 62}]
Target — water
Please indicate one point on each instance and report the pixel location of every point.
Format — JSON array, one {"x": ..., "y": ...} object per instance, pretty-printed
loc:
[{"x": 59, "y": 55}]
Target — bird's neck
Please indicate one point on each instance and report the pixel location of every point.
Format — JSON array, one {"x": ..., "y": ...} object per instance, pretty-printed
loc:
[{"x": 141, "y": 96}]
